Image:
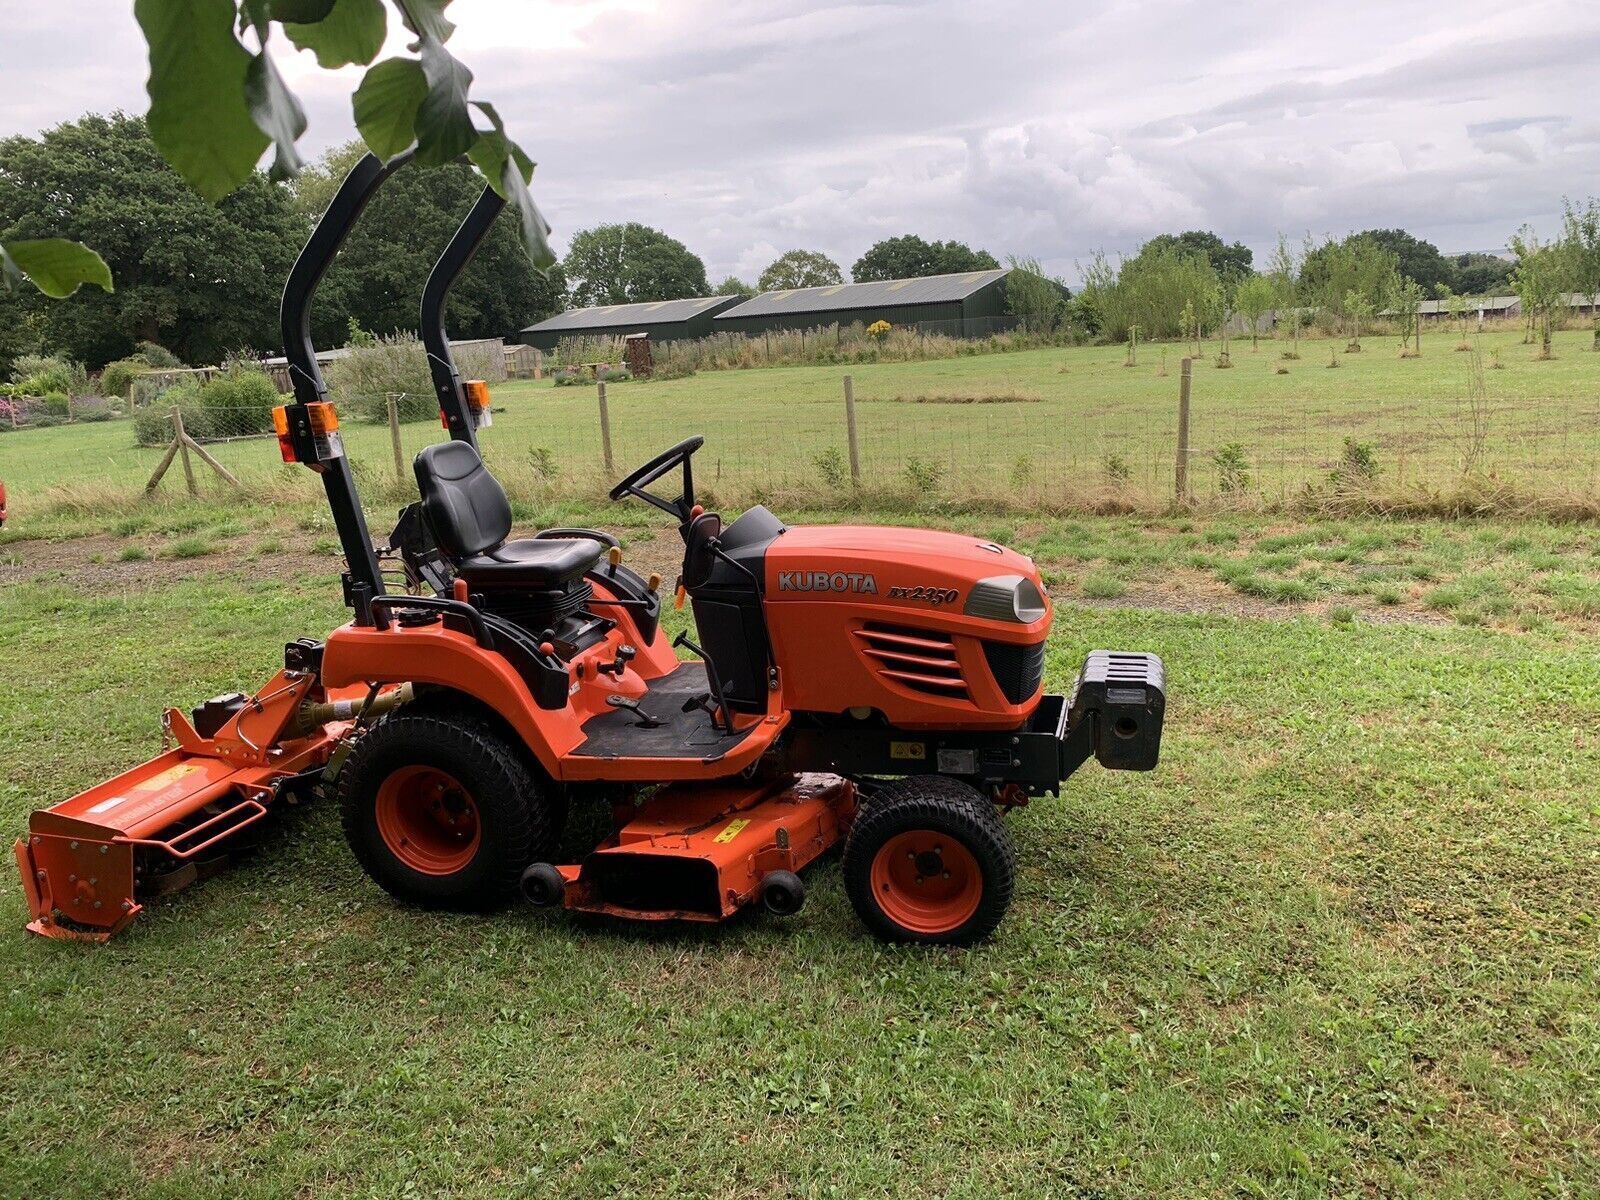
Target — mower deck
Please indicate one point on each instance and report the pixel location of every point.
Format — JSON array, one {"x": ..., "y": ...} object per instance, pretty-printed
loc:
[{"x": 700, "y": 851}]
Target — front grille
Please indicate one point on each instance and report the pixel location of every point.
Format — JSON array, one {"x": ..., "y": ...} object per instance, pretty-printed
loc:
[
  {"x": 923, "y": 660},
  {"x": 1019, "y": 670}
]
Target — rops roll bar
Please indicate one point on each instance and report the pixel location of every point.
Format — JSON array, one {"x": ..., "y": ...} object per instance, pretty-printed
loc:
[{"x": 359, "y": 186}]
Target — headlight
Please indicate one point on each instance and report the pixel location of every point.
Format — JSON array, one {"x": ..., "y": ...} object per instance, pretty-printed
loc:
[{"x": 1006, "y": 598}]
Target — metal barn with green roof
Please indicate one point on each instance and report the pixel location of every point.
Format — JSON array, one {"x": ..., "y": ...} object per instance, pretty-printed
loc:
[
  {"x": 969, "y": 304},
  {"x": 663, "y": 320}
]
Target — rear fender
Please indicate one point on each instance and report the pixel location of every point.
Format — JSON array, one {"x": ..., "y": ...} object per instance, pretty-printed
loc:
[{"x": 433, "y": 654}]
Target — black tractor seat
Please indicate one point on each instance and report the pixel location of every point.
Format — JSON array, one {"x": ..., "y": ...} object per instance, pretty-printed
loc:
[{"x": 470, "y": 517}]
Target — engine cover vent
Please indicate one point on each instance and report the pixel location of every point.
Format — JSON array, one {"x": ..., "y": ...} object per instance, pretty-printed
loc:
[
  {"x": 1019, "y": 670},
  {"x": 923, "y": 660}
]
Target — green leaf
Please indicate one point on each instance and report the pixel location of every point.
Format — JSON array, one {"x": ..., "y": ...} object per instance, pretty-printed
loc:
[
  {"x": 508, "y": 171},
  {"x": 198, "y": 116},
  {"x": 386, "y": 105},
  {"x": 304, "y": 11},
  {"x": 276, "y": 113},
  {"x": 352, "y": 32},
  {"x": 426, "y": 18},
  {"x": 444, "y": 126},
  {"x": 55, "y": 265}
]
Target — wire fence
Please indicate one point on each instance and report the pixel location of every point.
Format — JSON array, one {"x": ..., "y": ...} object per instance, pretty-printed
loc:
[{"x": 1089, "y": 428}]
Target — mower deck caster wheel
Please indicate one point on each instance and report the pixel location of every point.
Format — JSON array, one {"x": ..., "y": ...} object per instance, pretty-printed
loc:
[
  {"x": 782, "y": 893},
  {"x": 543, "y": 886}
]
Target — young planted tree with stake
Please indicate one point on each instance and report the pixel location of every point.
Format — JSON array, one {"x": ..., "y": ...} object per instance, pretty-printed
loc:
[
  {"x": 1539, "y": 278},
  {"x": 1253, "y": 298},
  {"x": 1581, "y": 237}
]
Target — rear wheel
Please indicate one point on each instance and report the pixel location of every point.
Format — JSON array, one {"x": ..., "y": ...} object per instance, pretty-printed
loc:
[
  {"x": 442, "y": 811},
  {"x": 929, "y": 861}
]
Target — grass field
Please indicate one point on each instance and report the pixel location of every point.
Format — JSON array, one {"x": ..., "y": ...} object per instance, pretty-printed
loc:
[
  {"x": 1343, "y": 942},
  {"x": 1034, "y": 428}
]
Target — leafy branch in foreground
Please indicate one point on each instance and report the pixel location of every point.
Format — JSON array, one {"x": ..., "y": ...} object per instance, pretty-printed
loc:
[{"x": 53, "y": 265}]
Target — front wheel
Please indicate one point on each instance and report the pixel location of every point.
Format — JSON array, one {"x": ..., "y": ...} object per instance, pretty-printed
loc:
[
  {"x": 442, "y": 812},
  {"x": 928, "y": 861}
]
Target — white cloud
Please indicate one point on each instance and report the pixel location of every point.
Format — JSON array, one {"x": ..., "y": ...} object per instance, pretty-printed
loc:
[{"x": 747, "y": 127}]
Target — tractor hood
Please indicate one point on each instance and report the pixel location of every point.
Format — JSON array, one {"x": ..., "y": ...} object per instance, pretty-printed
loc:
[{"x": 916, "y": 568}]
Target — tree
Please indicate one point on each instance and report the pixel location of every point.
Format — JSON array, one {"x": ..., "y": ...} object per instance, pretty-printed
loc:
[
  {"x": 1034, "y": 298},
  {"x": 1359, "y": 267},
  {"x": 1253, "y": 298},
  {"x": 909, "y": 257},
  {"x": 1150, "y": 290},
  {"x": 1419, "y": 260},
  {"x": 1480, "y": 274},
  {"x": 1359, "y": 308},
  {"x": 1284, "y": 274},
  {"x": 1405, "y": 301},
  {"x": 1539, "y": 280},
  {"x": 196, "y": 278},
  {"x": 628, "y": 264},
  {"x": 1581, "y": 235},
  {"x": 800, "y": 269},
  {"x": 1231, "y": 262},
  {"x": 377, "y": 279},
  {"x": 733, "y": 286}
]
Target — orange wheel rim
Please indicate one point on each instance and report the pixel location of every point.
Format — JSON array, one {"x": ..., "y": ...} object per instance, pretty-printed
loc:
[
  {"x": 927, "y": 882},
  {"x": 428, "y": 820}
]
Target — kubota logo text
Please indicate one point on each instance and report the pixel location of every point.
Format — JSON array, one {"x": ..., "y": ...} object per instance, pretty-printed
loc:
[{"x": 824, "y": 581}]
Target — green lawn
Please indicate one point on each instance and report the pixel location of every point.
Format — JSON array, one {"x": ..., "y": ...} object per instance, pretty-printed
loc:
[
  {"x": 1343, "y": 942},
  {"x": 1047, "y": 426}
]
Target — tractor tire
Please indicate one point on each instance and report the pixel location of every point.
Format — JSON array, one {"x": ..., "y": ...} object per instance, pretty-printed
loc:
[
  {"x": 443, "y": 812},
  {"x": 929, "y": 862}
]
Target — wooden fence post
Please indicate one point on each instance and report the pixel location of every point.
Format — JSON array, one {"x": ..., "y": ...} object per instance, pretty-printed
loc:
[
  {"x": 538, "y": 363},
  {"x": 394, "y": 435},
  {"x": 1185, "y": 379},
  {"x": 605, "y": 429},
  {"x": 850, "y": 427},
  {"x": 183, "y": 449}
]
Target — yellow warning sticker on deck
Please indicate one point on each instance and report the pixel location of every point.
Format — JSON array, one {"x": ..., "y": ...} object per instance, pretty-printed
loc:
[
  {"x": 732, "y": 830},
  {"x": 170, "y": 775},
  {"x": 908, "y": 750}
]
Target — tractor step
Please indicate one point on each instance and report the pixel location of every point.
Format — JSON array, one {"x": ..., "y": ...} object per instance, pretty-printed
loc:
[{"x": 700, "y": 852}]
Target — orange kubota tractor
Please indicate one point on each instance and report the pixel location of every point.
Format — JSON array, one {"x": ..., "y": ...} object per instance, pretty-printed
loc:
[{"x": 875, "y": 687}]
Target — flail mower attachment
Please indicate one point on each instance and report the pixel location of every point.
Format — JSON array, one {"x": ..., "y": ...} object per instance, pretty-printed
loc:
[{"x": 88, "y": 863}]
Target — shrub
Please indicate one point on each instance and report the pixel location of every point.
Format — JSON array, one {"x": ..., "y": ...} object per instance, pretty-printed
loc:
[
  {"x": 1358, "y": 463},
  {"x": 236, "y": 404},
  {"x": 362, "y": 380},
  {"x": 55, "y": 404},
  {"x": 41, "y": 375},
  {"x": 879, "y": 330},
  {"x": 157, "y": 356},
  {"x": 1117, "y": 469},
  {"x": 117, "y": 378},
  {"x": 830, "y": 465},
  {"x": 569, "y": 377},
  {"x": 610, "y": 374},
  {"x": 923, "y": 475},
  {"x": 1233, "y": 468}
]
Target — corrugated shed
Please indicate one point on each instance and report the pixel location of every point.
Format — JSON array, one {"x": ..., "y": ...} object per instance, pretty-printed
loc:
[
  {"x": 628, "y": 317},
  {"x": 889, "y": 293}
]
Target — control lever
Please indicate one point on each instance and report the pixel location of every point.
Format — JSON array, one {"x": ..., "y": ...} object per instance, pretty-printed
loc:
[
  {"x": 625, "y": 655},
  {"x": 715, "y": 681},
  {"x": 632, "y": 705}
]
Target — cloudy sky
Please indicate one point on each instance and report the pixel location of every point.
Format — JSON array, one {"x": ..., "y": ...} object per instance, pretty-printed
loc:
[{"x": 1045, "y": 128}]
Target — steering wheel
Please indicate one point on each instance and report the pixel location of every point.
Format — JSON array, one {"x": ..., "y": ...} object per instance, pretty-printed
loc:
[{"x": 634, "y": 483}]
